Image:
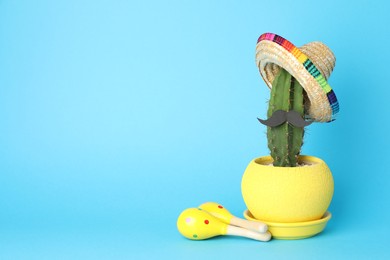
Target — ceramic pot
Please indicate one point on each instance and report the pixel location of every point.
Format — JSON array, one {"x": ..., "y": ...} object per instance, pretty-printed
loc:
[{"x": 287, "y": 194}]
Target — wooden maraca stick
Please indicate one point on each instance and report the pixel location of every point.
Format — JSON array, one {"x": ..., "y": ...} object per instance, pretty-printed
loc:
[
  {"x": 197, "y": 224},
  {"x": 251, "y": 225},
  {"x": 242, "y": 232},
  {"x": 220, "y": 212}
]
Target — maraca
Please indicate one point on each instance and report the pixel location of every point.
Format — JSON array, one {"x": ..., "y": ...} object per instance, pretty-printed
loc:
[
  {"x": 218, "y": 211},
  {"x": 197, "y": 224}
]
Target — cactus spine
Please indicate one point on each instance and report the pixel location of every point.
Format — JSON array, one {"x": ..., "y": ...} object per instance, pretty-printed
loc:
[{"x": 285, "y": 141}]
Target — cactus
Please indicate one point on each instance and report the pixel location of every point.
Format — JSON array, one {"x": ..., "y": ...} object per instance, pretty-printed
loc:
[{"x": 285, "y": 141}]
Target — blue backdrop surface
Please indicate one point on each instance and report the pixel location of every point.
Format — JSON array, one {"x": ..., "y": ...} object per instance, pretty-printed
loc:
[{"x": 117, "y": 115}]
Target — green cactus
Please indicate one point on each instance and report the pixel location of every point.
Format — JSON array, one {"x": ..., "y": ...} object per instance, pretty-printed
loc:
[{"x": 285, "y": 141}]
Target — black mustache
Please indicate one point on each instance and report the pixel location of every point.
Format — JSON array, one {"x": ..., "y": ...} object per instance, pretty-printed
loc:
[{"x": 281, "y": 116}]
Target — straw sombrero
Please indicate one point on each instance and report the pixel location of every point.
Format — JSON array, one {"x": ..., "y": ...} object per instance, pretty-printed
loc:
[{"x": 310, "y": 64}]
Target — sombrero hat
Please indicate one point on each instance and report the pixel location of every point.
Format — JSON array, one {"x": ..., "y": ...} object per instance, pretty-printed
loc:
[{"x": 310, "y": 64}]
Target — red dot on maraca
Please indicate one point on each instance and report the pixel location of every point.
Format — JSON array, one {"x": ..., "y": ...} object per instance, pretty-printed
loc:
[
  {"x": 206, "y": 222},
  {"x": 219, "y": 206}
]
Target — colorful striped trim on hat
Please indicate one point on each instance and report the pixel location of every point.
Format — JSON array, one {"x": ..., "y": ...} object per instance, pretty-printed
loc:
[{"x": 308, "y": 64}]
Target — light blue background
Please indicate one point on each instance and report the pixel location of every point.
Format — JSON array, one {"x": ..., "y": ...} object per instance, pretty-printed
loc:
[{"x": 117, "y": 115}]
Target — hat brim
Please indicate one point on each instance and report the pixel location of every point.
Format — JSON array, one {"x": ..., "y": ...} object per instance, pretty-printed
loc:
[{"x": 273, "y": 53}]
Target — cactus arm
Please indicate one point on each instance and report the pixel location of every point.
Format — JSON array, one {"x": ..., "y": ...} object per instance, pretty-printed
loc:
[
  {"x": 277, "y": 136},
  {"x": 280, "y": 93},
  {"x": 296, "y": 132},
  {"x": 285, "y": 140}
]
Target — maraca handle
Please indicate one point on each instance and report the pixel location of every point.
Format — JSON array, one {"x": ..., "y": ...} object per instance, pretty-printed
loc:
[
  {"x": 252, "y": 225},
  {"x": 242, "y": 232}
]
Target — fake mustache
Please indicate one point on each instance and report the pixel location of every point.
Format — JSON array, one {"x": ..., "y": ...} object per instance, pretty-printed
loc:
[{"x": 281, "y": 116}]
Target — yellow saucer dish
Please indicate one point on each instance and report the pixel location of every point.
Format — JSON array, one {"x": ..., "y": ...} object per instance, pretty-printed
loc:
[{"x": 297, "y": 230}]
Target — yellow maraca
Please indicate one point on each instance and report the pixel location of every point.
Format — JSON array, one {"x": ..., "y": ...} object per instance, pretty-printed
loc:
[
  {"x": 197, "y": 224},
  {"x": 220, "y": 212}
]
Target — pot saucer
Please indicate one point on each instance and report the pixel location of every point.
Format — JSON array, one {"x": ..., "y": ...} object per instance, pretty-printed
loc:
[{"x": 296, "y": 230}]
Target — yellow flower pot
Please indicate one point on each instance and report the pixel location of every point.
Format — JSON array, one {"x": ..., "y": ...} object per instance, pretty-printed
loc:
[{"x": 287, "y": 194}]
